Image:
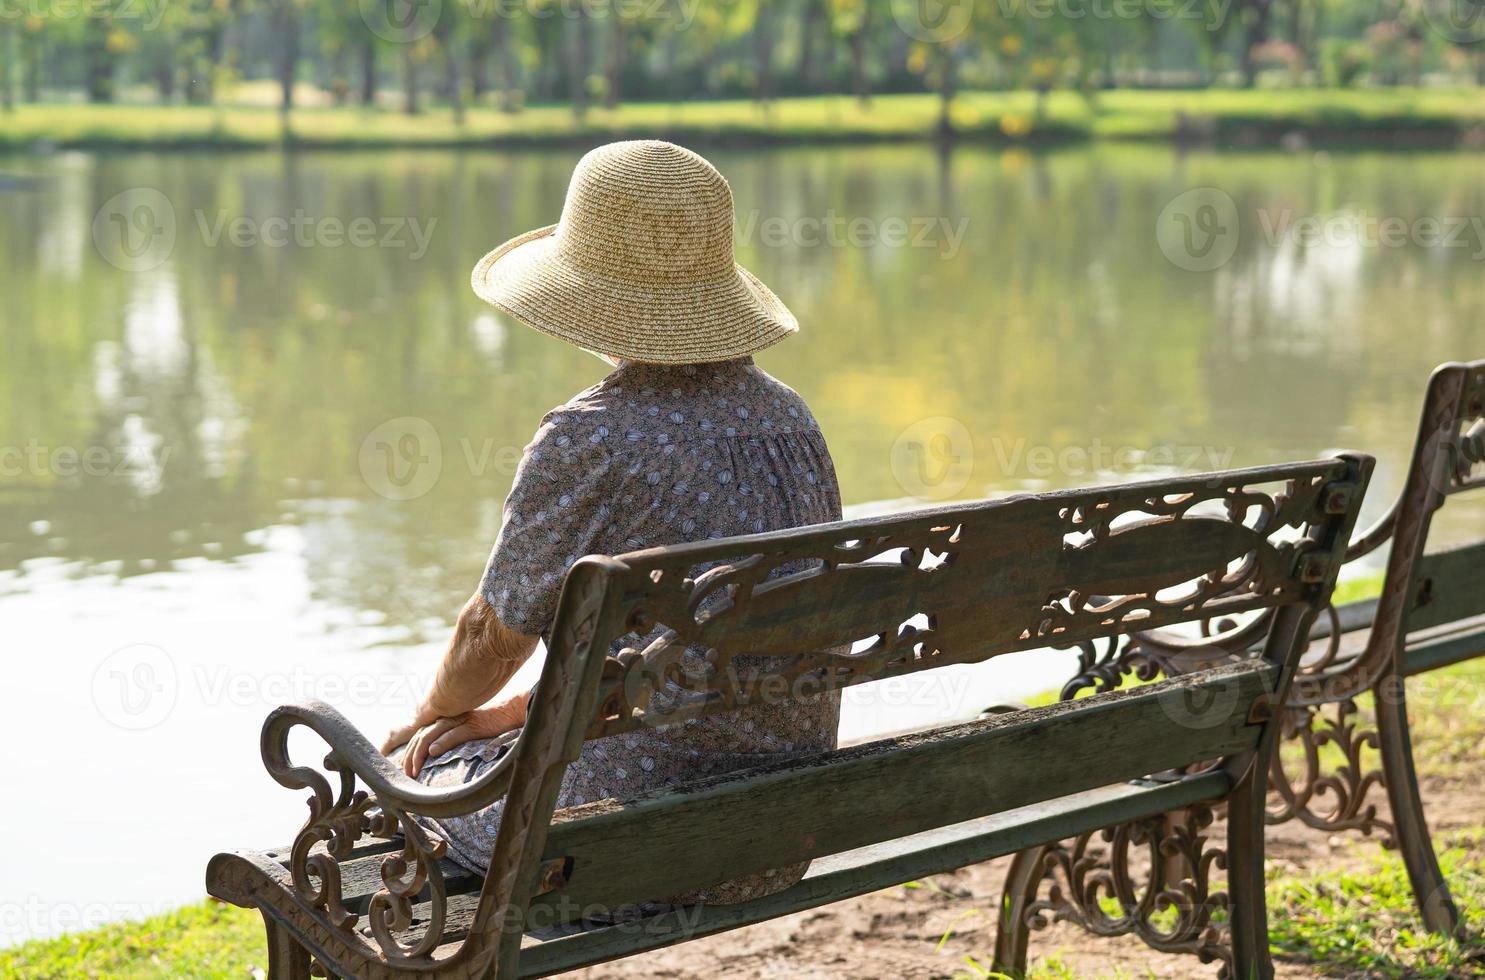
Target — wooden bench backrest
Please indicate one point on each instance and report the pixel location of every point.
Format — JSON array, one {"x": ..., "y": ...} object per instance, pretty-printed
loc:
[
  {"x": 891, "y": 595},
  {"x": 1449, "y": 459},
  {"x": 1420, "y": 589}
]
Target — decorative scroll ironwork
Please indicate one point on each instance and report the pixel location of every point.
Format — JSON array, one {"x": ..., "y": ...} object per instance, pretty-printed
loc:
[
  {"x": 713, "y": 627},
  {"x": 1104, "y": 670},
  {"x": 1326, "y": 799},
  {"x": 1465, "y": 451},
  {"x": 1166, "y": 900},
  {"x": 336, "y": 823}
]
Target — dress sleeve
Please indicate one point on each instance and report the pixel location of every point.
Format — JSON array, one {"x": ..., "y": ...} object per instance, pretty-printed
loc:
[{"x": 558, "y": 511}]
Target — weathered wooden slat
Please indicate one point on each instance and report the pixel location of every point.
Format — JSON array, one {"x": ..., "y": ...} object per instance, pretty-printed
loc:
[
  {"x": 1450, "y": 586},
  {"x": 1442, "y": 647},
  {"x": 774, "y": 816},
  {"x": 856, "y": 872},
  {"x": 361, "y": 877},
  {"x": 1353, "y": 616}
]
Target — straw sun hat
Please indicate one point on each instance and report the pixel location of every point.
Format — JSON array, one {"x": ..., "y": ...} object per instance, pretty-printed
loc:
[{"x": 640, "y": 266}]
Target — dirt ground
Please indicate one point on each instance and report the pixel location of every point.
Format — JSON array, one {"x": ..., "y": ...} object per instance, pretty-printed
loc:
[{"x": 899, "y": 932}]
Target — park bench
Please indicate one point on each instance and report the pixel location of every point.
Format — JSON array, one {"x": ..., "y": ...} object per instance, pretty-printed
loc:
[
  {"x": 1430, "y": 614},
  {"x": 364, "y": 891}
]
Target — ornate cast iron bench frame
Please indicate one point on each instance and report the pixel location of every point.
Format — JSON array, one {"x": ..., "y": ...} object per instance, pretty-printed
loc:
[
  {"x": 364, "y": 890},
  {"x": 1430, "y": 613}
]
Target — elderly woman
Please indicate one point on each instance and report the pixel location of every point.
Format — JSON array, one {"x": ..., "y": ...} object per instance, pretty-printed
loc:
[{"x": 687, "y": 439}]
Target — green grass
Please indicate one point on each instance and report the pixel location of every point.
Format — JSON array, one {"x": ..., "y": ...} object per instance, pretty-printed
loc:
[
  {"x": 1429, "y": 115},
  {"x": 205, "y": 940},
  {"x": 1365, "y": 924}
]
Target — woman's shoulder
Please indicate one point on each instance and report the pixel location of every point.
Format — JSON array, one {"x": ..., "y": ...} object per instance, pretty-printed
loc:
[{"x": 642, "y": 406}]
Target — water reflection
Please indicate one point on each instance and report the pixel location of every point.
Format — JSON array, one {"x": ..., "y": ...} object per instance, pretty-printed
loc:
[{"x": 230, "y": 387}]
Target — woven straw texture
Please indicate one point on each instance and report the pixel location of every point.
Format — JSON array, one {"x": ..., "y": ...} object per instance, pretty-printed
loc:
[{"x": 640, "y": 265}]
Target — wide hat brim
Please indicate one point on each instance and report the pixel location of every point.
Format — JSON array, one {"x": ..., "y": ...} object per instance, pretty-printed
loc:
[{"x": 731, "y": 317}]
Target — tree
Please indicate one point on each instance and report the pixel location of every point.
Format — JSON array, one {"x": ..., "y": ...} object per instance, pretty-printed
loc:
[
  {"x": 103, "y": 42},
  {"x": 814, "y": 28},
  {"x": 617, "y": 48},
  {"x": 853, "y": 20},
  {"x": 578, "y": 60},
  {"x": 7, "y": 64},
  {"x": 447, "y": 33},
  {"x": 763, "y": 45},
  {"x": 285, "y": 21}
]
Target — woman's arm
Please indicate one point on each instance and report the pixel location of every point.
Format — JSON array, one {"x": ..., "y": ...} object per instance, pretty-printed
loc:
[{"x": 482, "y": 657}]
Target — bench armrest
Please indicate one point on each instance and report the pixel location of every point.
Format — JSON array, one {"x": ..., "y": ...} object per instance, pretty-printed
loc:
[
  {"x": 353, "y": 755},
  {"x": 338, "y": 819}
]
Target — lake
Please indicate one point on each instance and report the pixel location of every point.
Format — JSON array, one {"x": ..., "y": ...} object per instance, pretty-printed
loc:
[{"x": 255, "y": 430}]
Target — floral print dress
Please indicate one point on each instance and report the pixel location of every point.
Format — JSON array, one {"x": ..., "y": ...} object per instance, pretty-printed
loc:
[{"x": 654, "y": 455}]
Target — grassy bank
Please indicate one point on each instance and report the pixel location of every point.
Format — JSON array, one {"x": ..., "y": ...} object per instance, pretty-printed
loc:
[{"x": 1391, "y": 116}]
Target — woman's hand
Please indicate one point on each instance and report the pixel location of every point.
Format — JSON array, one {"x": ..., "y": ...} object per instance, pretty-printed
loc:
[
  {"x": 398, "y": 737},
  {"x": 436, "y": 738}
]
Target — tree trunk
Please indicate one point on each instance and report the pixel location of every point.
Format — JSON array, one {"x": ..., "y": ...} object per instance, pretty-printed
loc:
[
  {"x": 763, "y": 51},
  {"x": 100, "y": 61},
  {"x": 809, "y": 37},
  {"x": 618, "y": 38},
  {"x": 286, "y": 26},
  {"x": 410, "y": 80},
  {"x": 479, "y": 68},
  {"x": 946, "y": 81},
  {"x": 451, "y": 78},
  {"x": 1297, "y": 33},
  {"x": 33, "y": 67},
  {"x": 858, "y": 59},
  {"x": 165, "y": 79},
  {"x": 577, "y": 80},
  {"x": 368, "y": 71},
  {"x": 7, "y": 65},
  {"x": 505, "y": 75}
]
